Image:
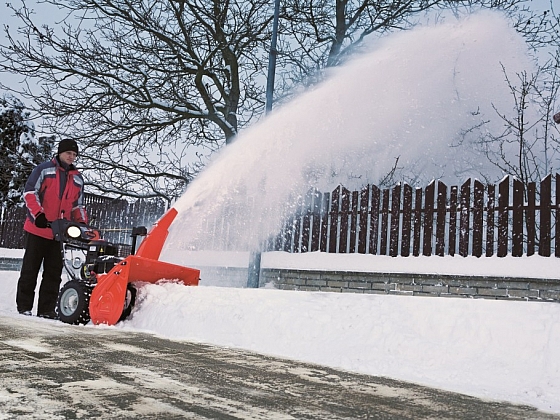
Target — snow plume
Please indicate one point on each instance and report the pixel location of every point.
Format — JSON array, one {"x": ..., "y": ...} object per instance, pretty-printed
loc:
[{"x": 413, "y": 97}]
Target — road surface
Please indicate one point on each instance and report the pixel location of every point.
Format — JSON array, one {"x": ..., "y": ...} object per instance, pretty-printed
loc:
[{"x": 50, "y": 370}]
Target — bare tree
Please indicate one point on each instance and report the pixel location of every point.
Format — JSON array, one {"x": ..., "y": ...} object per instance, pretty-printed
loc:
[
  {"x": 322, "y": 34},
  {"x": 140, "y": 84},
  {"x": 146, "y": 87},
  {"x": 529, "y": 145}
]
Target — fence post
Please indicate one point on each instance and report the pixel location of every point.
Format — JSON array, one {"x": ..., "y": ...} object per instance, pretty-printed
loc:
[{"x": 254, "y": 270}]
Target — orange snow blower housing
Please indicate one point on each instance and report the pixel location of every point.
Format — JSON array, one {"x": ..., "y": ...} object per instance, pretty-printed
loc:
[{"x": 107, "y": 298}]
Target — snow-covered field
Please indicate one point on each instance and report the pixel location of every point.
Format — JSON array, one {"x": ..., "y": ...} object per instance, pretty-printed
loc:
[{"x": 487, "y": 348}]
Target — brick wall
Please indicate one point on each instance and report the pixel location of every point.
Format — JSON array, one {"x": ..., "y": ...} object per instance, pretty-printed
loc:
[{"x": 413, "y": 284}]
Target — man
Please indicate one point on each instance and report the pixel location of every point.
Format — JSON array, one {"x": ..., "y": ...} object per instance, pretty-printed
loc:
[{"x": 54, "y": 190}]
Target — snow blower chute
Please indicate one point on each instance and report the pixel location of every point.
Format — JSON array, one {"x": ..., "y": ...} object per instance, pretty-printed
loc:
[{"x": 100, "y": 288}]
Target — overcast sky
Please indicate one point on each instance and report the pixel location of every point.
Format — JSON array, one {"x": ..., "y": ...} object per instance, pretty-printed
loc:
[{"x": 45, "y": 15}]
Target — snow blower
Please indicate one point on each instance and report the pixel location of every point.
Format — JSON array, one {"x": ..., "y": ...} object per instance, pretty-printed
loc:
[{"x": 100, "y": 288}]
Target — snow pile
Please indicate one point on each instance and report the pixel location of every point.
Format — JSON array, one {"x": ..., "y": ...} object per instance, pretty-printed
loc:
[{"x": 487, "y": 348}]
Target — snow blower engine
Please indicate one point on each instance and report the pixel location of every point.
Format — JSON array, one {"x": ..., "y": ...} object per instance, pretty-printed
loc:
[{"x": 100, "y": 288}]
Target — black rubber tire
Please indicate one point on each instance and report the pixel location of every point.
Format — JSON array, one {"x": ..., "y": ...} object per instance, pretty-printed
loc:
[
  {"x": 129, "y": 301},
  {"x": 72, "y": 306}
]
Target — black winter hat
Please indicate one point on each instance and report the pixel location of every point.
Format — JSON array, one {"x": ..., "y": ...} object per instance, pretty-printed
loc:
[{"x": 67, "y": 145}]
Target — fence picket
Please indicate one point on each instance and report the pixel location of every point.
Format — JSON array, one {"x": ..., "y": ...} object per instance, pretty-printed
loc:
[
  {"x": 335, "y": 205},
  {"x": 464, "y": 222},
  {"x": 452, "y": 230},
  {"x": 440, "y": 218},
  {"x": 544, "y": 231},
  {"x": 517, "y": 219},
  {"x": 478, "y": 218},
  {"x": 395, "y": 220},
  {"x": 354, "y": 222},
  {"x": 490, "y": 219},
  {"x": 417, "y": 222},
  {"x": 316, "y": 222},
  {"x": 503, "y": 216},
  {"x": 406, "y": 220},
  {"x": 530, "y": 217},
  {"x": 324, "y": 221},
  {"x": 374, "y": 220},
  {"x": 363, "y": 226},
  {"x": 384, "y": 222},
  {"x": 344, "y": 215},
  {"x": 428, "y": 219}
]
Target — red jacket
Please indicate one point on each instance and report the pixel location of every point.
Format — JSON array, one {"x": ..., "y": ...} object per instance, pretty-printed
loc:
[{"x": 44, "y": 193}]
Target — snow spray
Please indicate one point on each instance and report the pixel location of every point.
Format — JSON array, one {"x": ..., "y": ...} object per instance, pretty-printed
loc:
[{"x": 409, "y": 103}]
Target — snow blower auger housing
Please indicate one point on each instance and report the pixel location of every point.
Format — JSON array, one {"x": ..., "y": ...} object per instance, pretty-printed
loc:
[{"x": 101, "y": 287}]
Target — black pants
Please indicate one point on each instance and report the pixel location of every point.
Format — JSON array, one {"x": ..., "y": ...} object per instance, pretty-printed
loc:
[{"x": 39, "y": 251}]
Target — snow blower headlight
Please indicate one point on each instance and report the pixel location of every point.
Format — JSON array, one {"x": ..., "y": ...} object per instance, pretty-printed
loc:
[{"x": 73, "y": 231}]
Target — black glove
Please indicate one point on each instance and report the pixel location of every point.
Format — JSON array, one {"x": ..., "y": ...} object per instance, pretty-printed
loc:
[{"x": 41, "y": 221}]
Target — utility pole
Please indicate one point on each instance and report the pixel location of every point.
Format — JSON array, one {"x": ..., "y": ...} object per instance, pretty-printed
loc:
[
  {"x": 272, "y": 58},
  {"x": 253, "y": 275}
]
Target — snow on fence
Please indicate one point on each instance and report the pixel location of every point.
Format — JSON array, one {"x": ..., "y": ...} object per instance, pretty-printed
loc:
[{"x": 471, "y": 219}]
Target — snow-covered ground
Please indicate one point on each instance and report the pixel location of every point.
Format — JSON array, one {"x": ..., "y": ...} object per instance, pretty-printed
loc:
[{"x": 487, "y": 348}]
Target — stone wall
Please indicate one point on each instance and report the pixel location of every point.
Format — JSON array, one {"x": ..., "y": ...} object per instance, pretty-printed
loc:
[
  {"x": 10, "y": 264},
  {"x": 382, "y": 283},
  {"x": 413, "y": 284}
]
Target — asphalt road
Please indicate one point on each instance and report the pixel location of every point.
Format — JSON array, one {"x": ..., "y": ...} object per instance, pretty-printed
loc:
[{"x": 50, "y": 370}]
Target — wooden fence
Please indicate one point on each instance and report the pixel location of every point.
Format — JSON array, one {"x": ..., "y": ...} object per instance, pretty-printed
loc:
[
  {"x": 473, "y": 219},
  {"x": 115, "y": 218}
]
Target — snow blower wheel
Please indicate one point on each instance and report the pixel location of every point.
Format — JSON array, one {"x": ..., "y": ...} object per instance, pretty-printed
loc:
[
  {"x": 73, "y": 303},
  {"x": 129, "y": 301}
]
